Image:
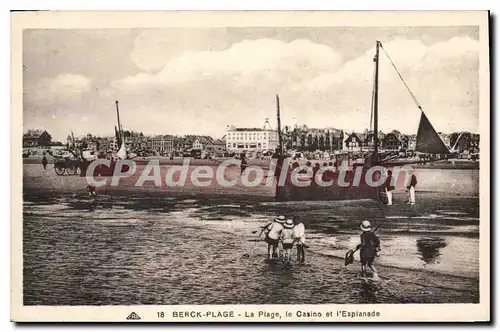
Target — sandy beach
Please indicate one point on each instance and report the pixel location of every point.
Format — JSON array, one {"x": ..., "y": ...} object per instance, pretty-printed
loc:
[{"x": 183, "y": 247}]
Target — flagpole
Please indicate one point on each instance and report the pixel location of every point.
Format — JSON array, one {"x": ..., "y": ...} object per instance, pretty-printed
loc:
[{"x": 375, "y": 104}]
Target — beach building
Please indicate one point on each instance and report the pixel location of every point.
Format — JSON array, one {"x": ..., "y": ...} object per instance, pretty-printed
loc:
[
  {"x": 162, "y": 143},
  {"x": 313, "y": 139},
  {"x": 251, "y": 139},
  {"x": 217, "y": 146},
  {"x": 36, "y": 138},
  {"x": 197, "y": 145},
  {"x": 354, "y": 142}
]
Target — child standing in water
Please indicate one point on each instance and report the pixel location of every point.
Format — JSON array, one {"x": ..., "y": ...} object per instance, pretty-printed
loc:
[
  {"x": 287, "y": 239},
  {"x": 369, "y": 247},
  {"x": 299, "y": 234},
  {"x": 273, "y": 231}
]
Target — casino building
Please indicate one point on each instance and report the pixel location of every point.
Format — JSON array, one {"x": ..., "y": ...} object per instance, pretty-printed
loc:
[{"x": 252, "y": 139}]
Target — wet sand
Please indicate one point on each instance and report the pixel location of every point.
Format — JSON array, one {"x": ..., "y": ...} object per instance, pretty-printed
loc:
[{"x": 188, "y": 248}]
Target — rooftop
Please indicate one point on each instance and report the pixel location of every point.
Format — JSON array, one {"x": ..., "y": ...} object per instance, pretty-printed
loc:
[
  {"x": 34, "y": 133},
  {"x": 248, "y": 129}
]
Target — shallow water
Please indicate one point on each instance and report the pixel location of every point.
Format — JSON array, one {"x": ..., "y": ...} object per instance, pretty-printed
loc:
[{"x": 178, "y": 252}]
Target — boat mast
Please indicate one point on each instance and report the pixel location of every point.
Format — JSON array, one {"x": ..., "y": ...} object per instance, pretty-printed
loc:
[
  {"x": 118, "y": 117},
  {"x": 280, "y": 144},
  {"x": 73, "y": 140},
  {"x": 375, "y": 104}
]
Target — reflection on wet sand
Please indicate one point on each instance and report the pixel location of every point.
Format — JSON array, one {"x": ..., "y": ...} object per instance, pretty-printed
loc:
[
  {"x": 185, "y": 251},
  {"x": 430, "y": 248}
]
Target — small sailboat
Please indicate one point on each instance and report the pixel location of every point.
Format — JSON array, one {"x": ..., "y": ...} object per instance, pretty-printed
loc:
[
  {"x": 122, "y": 151},
  {"x": 427, "y": 141},
  {"x": 120, "y": 154}
]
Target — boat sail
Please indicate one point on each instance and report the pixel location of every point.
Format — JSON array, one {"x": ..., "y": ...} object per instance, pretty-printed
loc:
[
  {"x": 428, "y": 140},
  {"x": 122, "y": 152}
]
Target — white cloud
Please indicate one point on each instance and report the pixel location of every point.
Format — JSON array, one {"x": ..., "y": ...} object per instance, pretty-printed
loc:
[
  {"x": 453, "y": 48},
  {"x": 206, "y": 90},
  {"x": 442, "y": 76},
  {"x": 249, "y": 58},
  {"x": 153, "y": 48},
  {"x": 63, "y": 87}
]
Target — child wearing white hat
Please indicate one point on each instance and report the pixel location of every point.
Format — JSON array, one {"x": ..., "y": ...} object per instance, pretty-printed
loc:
[
  {"x": 273, "y": 231},
  {"x": 369, "y": 247}
]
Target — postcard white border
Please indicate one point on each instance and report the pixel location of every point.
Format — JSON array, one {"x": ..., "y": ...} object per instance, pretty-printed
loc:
[{"x": 150, "y": 19}]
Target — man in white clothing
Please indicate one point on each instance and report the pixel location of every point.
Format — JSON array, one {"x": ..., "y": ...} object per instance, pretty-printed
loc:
[{"x": 411, "y": 189}]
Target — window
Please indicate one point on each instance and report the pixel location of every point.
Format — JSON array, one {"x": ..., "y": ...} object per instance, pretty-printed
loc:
[{"x": 234, "y": 145}]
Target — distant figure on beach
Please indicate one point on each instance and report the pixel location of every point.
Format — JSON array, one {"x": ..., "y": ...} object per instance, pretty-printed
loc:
[
  {"x": 411, "y": 189},
  {"x": 299, "y": 235},
  {"x": 368, "y": 249},
  {"x": 273, "y": 232},
  {"x": 287, "y": 239},
  {"x": 92, "y": 194},
  {"x": 389, "y": 187},
  {"x": 244, "y": 163},
  {"x": 44, "y": 161}
]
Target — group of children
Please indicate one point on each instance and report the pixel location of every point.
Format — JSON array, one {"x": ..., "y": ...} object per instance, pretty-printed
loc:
[
  {"x": 292, "y": 231},
  {"x": 288, "y": 232}
]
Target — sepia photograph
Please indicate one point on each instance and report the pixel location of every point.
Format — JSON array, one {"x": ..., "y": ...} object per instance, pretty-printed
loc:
[{"x": 287, "y": 167}]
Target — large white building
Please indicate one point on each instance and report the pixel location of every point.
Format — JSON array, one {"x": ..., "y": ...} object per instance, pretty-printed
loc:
[{"x": 251, "y": 139}]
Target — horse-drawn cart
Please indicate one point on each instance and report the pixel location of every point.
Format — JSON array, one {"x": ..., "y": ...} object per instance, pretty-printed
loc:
[{"x": 67, "y": 166}]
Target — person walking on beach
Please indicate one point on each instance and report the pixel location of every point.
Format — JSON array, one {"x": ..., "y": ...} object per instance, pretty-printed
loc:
[
  {"x": 287, "y": 239},
  {"x": 389, "y": 187},
  {"x": 244, "y": 163},
  {"x": 411, "y": 189},
  {"x": 368, "y": 249},
  {"x": 273, "y": 232},
  {"x": 299, "y": 235},
  {"x": 44, "y": 162}
]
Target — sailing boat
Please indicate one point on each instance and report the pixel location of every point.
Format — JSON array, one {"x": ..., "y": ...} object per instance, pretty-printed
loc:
[
  {"x": 104, "y": 170},
  {"x": 428, "y": 141}
]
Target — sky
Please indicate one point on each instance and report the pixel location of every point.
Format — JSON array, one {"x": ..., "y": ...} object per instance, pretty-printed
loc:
[{"x": 200, "y": 80}]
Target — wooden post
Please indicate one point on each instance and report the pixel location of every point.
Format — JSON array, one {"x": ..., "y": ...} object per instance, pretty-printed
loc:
[{"x": 280, "y": 142}]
